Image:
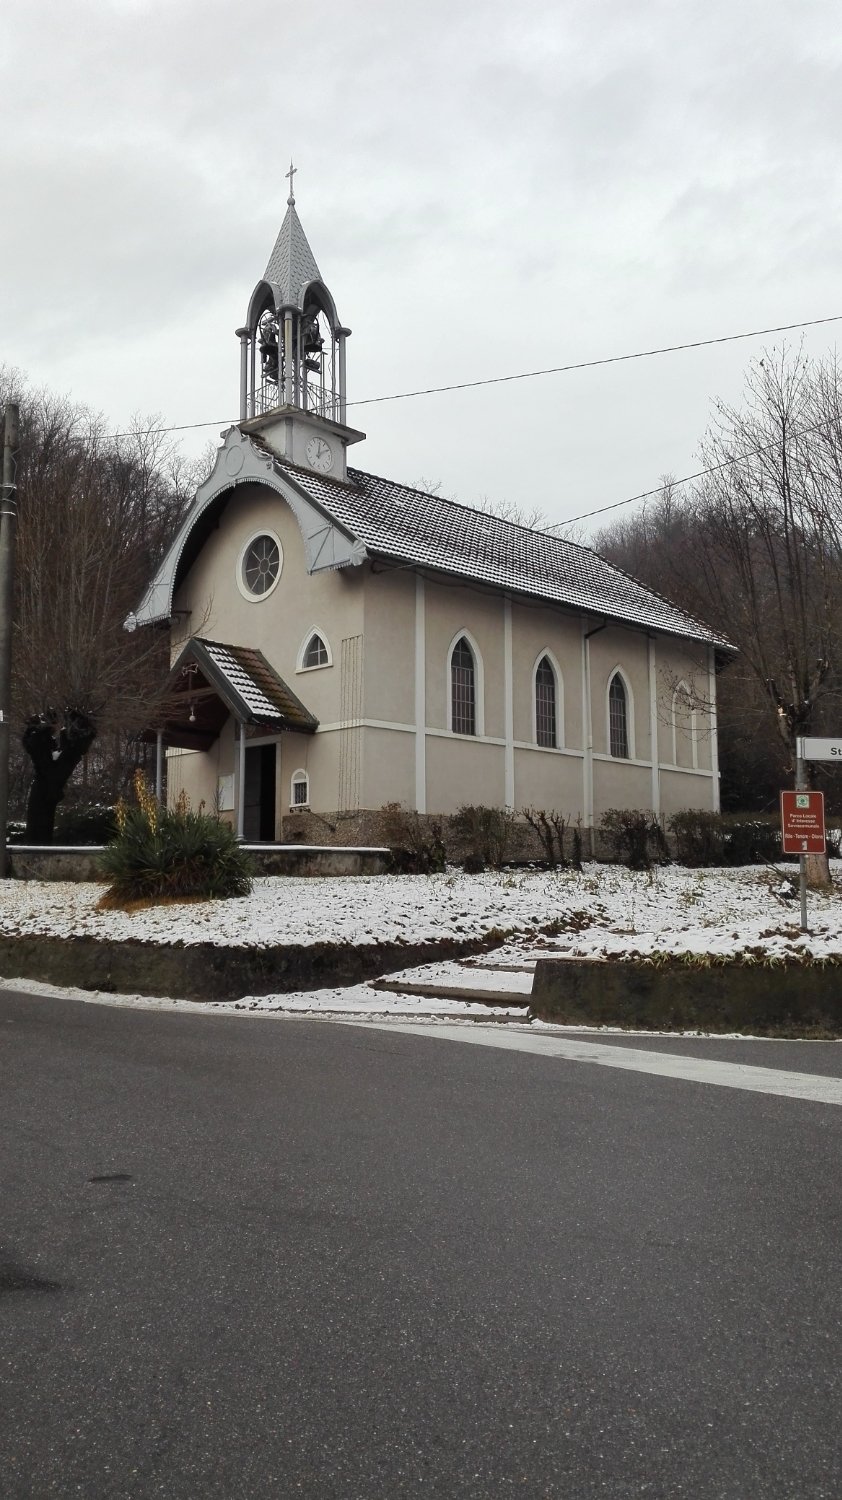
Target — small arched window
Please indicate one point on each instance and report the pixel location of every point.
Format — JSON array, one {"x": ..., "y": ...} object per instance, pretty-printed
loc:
[
  {"x": 545, "y": 705},
  {"x": 316, "y": 653},
  {"x": 463, "y": 692},
  {"x": 618, "y": 718},
  {"x": 299, "y": 792}
]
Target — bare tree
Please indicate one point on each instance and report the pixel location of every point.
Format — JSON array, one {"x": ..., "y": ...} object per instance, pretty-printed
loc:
[
  {"x": 769, "y": 549},
  {"x": 94, "y": 517},
  {"x": 756, "y": 547}
]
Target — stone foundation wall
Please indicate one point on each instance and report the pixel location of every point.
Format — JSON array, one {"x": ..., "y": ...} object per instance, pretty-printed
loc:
[
  {"x": 82, "y": 864},
  {"x": 370, "y": 828},
  {"x": 54, "y": 862}
]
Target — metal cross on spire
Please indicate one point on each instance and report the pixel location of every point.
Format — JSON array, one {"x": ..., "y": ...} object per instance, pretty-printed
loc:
[{"x": 290, "y": 174}]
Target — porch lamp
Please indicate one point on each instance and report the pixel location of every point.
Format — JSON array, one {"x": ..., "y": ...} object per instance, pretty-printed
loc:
[{"x": 190, "y": 672}]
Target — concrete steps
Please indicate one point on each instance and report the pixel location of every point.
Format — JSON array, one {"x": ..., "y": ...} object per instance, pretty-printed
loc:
[{"x": 508, "y": 986}]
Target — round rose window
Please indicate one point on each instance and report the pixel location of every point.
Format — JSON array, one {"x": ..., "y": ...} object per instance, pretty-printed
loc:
[{"x": 261, "y": 565}]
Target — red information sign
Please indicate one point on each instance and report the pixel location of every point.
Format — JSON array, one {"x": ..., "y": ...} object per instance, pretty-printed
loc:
[{"x": 802, "y": 822}]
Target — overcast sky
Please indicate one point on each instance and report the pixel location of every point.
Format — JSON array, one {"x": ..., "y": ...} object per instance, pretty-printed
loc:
[{"x": 487, "y": 188}]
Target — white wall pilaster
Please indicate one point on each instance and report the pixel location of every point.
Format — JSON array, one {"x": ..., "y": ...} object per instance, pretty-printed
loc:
[
  {"x": 714, "y": 740},
  {"x": 508, "y": 707},
  {"x": 420, "y": 696},
  {"x": 587, "y": 734},
  {"x": 653, "y": 729}
]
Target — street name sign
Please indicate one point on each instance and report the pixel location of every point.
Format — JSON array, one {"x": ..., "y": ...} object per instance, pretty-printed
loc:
[
  {"x": 810, "y": 749},
  {"x": 802, "y": 822}
]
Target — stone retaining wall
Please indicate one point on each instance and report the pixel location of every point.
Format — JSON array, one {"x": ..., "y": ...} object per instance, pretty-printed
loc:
[
  {"x": 204, "y": 971},
  {"x": 54, "y": 862},
  {"x": 794, "y": 999}
]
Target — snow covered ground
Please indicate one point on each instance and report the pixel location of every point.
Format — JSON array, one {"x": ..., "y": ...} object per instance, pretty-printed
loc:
[{"x": 605, "y": 910}]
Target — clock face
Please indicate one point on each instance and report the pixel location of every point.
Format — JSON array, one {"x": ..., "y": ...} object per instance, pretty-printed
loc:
[{"x": 320, "y": 455}]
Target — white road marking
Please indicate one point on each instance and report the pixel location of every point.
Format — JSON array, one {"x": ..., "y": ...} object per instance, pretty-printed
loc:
[{"x": 813, "y": 1087}]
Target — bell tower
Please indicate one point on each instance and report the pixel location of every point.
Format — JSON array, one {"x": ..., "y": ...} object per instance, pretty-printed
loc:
[{"x": 292, "y": 358}]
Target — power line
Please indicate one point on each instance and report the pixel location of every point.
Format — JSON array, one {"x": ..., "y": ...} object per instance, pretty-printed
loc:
[
  {"x": 585, "y": 364},
  {"x": 727, "y": 463},
  {"x": 591, "y": 364}
]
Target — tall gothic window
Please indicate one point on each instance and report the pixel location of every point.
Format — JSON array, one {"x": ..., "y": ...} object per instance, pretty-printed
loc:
[
  {"x": 463, "y": 692},
  {"x": 545, "y": 704},
  {"x": 618, "y": 718}
]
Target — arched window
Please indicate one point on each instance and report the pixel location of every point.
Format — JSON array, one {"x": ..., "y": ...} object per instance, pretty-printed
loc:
[
  {"x": 316, "y": 653},
  {"x": 618, "y": 718},
  {"x": 546, "y": 714},
  {"x": 463, "y": 690},
  {"x": 299, "y": 791}
]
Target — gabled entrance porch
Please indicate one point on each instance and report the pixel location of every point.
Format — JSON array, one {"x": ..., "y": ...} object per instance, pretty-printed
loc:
[{"x": 211, "y": 684}]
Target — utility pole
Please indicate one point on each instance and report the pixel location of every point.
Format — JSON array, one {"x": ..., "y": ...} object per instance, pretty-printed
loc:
[{"x": 8, "y": 523}]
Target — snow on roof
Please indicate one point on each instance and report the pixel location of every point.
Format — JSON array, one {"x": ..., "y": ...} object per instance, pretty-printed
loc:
[
  {"x": 251, "y": 682},
  {"x": 411, "y": 526}
]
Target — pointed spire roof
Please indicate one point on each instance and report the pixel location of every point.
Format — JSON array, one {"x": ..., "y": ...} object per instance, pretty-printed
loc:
[{"x": 292, "y": 265}]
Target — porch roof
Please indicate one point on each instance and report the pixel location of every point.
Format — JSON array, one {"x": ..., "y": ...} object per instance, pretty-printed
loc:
[{"x": 210, "y": 680}]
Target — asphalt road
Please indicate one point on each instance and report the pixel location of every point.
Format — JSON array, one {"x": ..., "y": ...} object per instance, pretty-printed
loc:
[{"x": 245, "y": 1257}]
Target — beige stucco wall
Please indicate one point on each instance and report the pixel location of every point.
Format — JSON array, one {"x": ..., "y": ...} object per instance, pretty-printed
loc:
[
  {"x": 367, "y": 616},
  {"x": 389, "y": 623},
  {"x": 536, "y": 632},
  {"x": 680, "y": 789},
  {"x": 450, "y": 612},
  {"x": 620, "y": 783},
  {"x": 549, "y": 779},
  {"x": 388, "y": 767},
  {"x": 278, "y": 625},
  {"x": 461, "y": 771},
  {"x": 676, "y": 664},
  {"x": 194, "y": 773},
  {"x": 627, "y": 650}
]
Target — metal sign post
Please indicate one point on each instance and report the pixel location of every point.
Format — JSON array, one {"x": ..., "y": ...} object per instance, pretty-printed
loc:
[{"x": 802, "y": 830}]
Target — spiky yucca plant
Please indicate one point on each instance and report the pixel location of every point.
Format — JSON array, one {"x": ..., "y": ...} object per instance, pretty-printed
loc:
[{"x": 164, "y": 853}]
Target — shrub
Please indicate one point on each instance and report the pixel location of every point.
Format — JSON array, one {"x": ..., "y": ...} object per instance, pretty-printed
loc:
[
  {"x": 416, "y": 842},
  {"x": 709, "y": 838},
  {"x": 163, "y": 854},
  {"x": 635, "y": 838},
  {"x": 577, "y": 848},
  {"x": 550, "y": 828},
  {"x": 699, "y": 837},
  {"x": 93, "y": 824},
  {"x": 482, "y": 835},
  {"x": 751, "y": 841}
]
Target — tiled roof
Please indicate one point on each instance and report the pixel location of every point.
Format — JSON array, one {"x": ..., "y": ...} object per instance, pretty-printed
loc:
[
  {"x": 410, "y": 526},
  {"x": 250, "y": 679},
  {"x": 292, "y": 265}
]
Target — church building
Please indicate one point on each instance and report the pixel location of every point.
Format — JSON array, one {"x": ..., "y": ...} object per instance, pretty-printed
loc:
[{"x": 341, "y": 641}]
